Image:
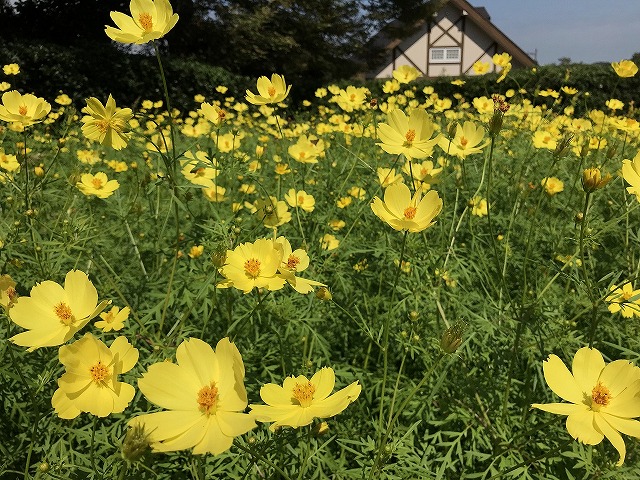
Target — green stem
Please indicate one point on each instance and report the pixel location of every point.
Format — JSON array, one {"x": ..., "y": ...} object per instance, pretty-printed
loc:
[
  {"x": 92, "y": 447},
  {"x": 166, "y": 99},
  {"x": 264, "y": 460},
  {"x": 385, "y": 333}
]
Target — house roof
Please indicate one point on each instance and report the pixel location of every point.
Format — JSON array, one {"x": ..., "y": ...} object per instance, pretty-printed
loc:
[{"x": 387, "y": 38}]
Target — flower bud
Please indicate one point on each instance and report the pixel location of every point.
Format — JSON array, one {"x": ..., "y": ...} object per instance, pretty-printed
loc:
[
  {"x": 324, "y": 294},
  {"x": 219, "y": 256},
  {"x": 563, "y": 146},
  {"x": 135, "y": 444},
  {"x": 452, "y": 337},
  {"x": 320, "y": 429},
  {"x": 593, "y": 180}
]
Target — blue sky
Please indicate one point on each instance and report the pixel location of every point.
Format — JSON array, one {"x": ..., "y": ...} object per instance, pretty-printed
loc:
[{"x": 585, "y": 30}]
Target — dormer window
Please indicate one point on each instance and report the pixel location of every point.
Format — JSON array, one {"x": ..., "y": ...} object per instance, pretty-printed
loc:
[{"x": 444, "y": 55}]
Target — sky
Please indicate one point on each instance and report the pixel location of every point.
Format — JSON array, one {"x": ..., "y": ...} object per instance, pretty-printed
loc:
[{"x": 586, "y": 31}]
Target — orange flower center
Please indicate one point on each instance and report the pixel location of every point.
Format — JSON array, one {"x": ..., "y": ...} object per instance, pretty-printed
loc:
[
  {"x": 300, "y": 199},
  {"x": 63, "y": 312},
  {"x": 600, "y": 395},
  {"x": 200, "y": 172},
  {"x": 22, "y": 109},
  {"x": 303, "y": 154},
  {"x": 303, "y": 393},
  {"x": 626, "y": 294},
  {"x": 103, "y": 125},
  {"x": 292, "y": 261},
  {"x": 252, "y": 267},
  {"x": 463, "y": 142},
  {"x": 12, "y": 294},
  {"x": 546, "y": 139},
  {"x": 410, "y": 136},
  {"x": 410, "y": 213},
  {"x": 272, "y": 91},
  {"x": 208, "y": 398},
  {"x": 146, "y": 21},
  {"x": 99, "y": 372},
  {"x": 97, "y": 183}
]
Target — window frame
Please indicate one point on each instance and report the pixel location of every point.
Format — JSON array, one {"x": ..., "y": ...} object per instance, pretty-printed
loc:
[{"x": 445, "y": 53}]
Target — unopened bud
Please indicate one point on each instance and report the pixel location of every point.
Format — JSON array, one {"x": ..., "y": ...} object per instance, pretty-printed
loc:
[
  {"x": 593, "y": 180},
  {"x": 320, "y": 429},
  {"x": 44, "y": 467},
  {"x": 611, "y": 151},
  {"x": 324, "y": 294},
  {"x": 135, "y": 444},
  {"x": 563, "y": 146},
  {"x": 38, "y": 171},
  {"x": 579, "y": 217},
  {"x": 413, "y": 315},
  {"x": 219, "y": 256},
  {"x": 452, "y": 337}
]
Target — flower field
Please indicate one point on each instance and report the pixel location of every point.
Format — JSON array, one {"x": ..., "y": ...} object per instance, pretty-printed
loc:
[{"x": 406, "y": 286}]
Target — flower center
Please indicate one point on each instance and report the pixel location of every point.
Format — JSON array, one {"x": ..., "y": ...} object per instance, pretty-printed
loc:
[
  {"x": 103, "y": 125},
  {"x": 303, "y": 393},
  {"x": 410, "y": 136},
  {"x": 252, "y": 267},
  {"x": 97, "y": 183},
  {"x": 272, "y": 91},
  {"x": 22, "y": 109},
  {"x": 99, "y": 372},
  {"x": 208, "y": 398},
  {"x": 463, "y": 142},
  {"x": 292, "y": 261},
  {"x": 303, "y": 154},
  {"x": 410, "y": 213},
  {"x": 63, "y": 312},
  {"x": 600, "y": 395},
  {"x": 300, "y": 199},
  {"x": 200, "y": 172},
  {"x": 12, "y": 294},
  {"x": 146, "y": 21}
]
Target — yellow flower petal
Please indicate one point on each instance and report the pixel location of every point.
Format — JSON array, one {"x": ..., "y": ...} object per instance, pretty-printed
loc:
[
  {"x": 587, "y": 366},
  {"x": 561, "y": 381},
  {"x": 613, "y": 436},
  {"x": 581, "y": 426}
]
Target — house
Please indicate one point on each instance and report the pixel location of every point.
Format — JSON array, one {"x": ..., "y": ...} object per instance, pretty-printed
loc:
[{"x": 450, "y": 43}]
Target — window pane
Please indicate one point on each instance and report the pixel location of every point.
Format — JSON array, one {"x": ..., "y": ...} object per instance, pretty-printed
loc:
[{"x": 437, "y": 54}]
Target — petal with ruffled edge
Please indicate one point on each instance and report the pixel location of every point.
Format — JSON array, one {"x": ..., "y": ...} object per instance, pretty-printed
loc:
[
  {"x": 581, "y": 426},
  {"x": 587, "y": 366},
  {"x": 561, "y": 381}
]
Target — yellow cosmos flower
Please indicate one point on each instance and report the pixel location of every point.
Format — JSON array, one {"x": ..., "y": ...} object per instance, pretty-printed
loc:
[
  {"x": 9, "y": 162},
  {"x": 423, "y": 172},
  {"x": 149, "y": 20},
  {"x": 90, "y": 382},
  {"x": 329, "y": 242},
  {"x": 402, "y": 212},
  {"x": 304, "y": 151},
  {"x": 98, "y": 185},
  {"x": 253, "y": 265},
  {"x": 625, "y": 300},
  {"x": 405, "y": 74},
  {"x": 295, "y": 261},
  {"x": 52, "y": 314},
  {"x": 204, "y": 396},
  {"x": 299, "y": 400},
  {"x": 24, "y": 109},
  {"x": 631, "y": 174},
  {"x": 466, "y": 141},
  {"x": 63, "y": 99},
  {"x": 106, "y": 124},
  {"x": 215, "y": 193},
  {"x": 269, "y": 91},
  {"x": 502, "y": 59},
  {"x": 604, "y": 397},
  {"x": 11, "y": 69},
  {"x": 408, "y": 136},
  {"x": 388, "y": 176},
  {"x": 552, "y": 185},
  {"x": 198, "y": 169},
  {"x": 213, "y": 113},
  {"x": 300, "y": 199},
  {"x": 479, "y": 206},
  {"x": 480, "y": 67},
  {"x": 113, "y": 319},
  {"x": 351, "y": 98},
  {"x": 625, "y": 68}
]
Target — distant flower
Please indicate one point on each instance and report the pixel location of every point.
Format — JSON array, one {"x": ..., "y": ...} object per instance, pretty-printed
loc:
[
  {"x": 300, "y": 199},
  {"x": 213, "y": 113},
  {"x": 411, "y": 136},
  {"x": 388, "y": 176},
  {"x": 569, "y": 90},
  {"x": 106, "y": 124},
  {"x": 63, "y": 99},
  {"x": 269, "y": 91},
  {"x": 458, "y": 82},
  {"x": 8, "y": 294},
  {"x": 631, "y": 174},
  {"x": 25, "y": 109},
  {"x": 52, "y": 314},
  {"x": 11, "y": 69},
  {"x": 614, "y": 104},
  {"x": 502, "y": 59},
  {"x": 552, "y": 185},
  {"x": 545, "y": 139},
  {"x": 98, "y": 185},
  {"x": 113, "y": 319},
  {"x": 329, "y": 242},
  {"x": 351, "y": 98},
  {"x": 479, "y": 206},
  {"x": 203, "y": 395},
  {"x": 403, "y": 212},
  {"x": 480, "y": 67},
  {"x": 149, "y": 20},
  {"x": 304, "y": 150},
  {"x": 9, "y": 162},
  {"x": 299, "y": 400},
  {"x": 253, "y": 265},
  {"x": 466, "y": 141},
  {"x": 625, "y": 68},
  {"x": 625, "y": 300},
  {"x": 405, "y": 74},
  {"x": 90, "y": 382},
  {"x": 604, "y": 398},
  {"x": 196, "y": 251}
]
